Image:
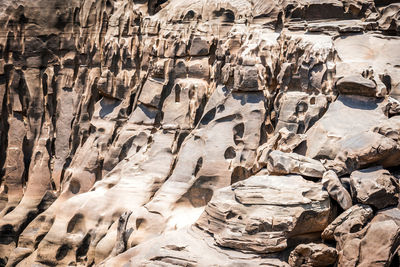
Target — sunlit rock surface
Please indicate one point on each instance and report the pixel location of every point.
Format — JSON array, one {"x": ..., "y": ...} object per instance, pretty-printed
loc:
[{"x": 199, "y": 132}]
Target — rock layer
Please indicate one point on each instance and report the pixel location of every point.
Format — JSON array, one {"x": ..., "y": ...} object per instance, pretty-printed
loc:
[{"x": 129, "y": 125}]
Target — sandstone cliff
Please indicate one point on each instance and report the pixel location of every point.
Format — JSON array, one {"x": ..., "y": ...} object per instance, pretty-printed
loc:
[{"x": 199, "y": 132}]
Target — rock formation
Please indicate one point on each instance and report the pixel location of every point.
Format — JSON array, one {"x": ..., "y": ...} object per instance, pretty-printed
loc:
[{"x": 199, "y": 133}]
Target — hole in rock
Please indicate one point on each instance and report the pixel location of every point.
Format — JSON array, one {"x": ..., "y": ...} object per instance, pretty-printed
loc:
[
  {"x": 238, "y": 132},
  {"x": 269, "y": 128},
  {"x": 301, "y": 107},
  {"x": 139, "y": 221},
  {"x": 220, "y": 108},
  {"x": 199, "y": 164},
  {"x": 75, "y": 221},
  {"x": 395, "y": 260},
  {"x": 62, "y": 252},
  {"x": 83, "y": 248},
  {"x": 155, "y": 5},
  {"x": 239, "y": 174},
  {"x": 38, "y": 239},
  {"x": 6, "y": 234},
  {"x": 208, "y": 117},
  {"x": 199, "y": 196},
  {"x": 226, "y": 15},
  {"x": 74, "y": 187},
  {"x": 200, "y": 192},
  {"x": 189, "y": 15},
  {"x": 10, "y": 209},
  {"x": 230, "y": 215},
  {"x": 177, "y": 93},
  {"x": 230, "y": 153}
]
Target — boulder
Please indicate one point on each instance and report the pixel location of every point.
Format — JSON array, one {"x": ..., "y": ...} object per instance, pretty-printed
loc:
[
  {"x": 375, "y": 186},
  {"x": 292, "y": 163},
  {"x": 284, "y": 140},
  {"x": 265, "y": 213},
  {"x": 375, "y": 245},
  {"x": 356, "y": 85},
  {"x": 336, "y": 190},
  {"x": 350, "y": 221},
  {"x": 344, "y": 119},
  {"x": 188, "y": 247},
  {"x": 347, "y": 142},
  {"x": 298, "y": 111},
  {"x": 366, "y": 149},
  {"x": 312, "y": 254}
]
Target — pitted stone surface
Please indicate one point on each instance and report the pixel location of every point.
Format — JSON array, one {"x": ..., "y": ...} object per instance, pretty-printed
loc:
[{"x": 127, "y": 125}]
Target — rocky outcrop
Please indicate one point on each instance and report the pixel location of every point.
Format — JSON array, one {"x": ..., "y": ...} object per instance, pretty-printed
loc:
[
  {"x": 350, "y": 221},
  {"x": 188, "y": 247},
  {"x": 170, "y": 132},
  {"x": 356, "y": 85},
  {"x": 312, "y": 255},
  {"x": 375, "y": 244},
  {"x": 375, "y": 186},
  {"x": 264, "y": 213},
  {"x": 336, "y": 190},
  {"x": 348, "y": 142},
  {"x": 362, "y": 241},
  {"x": 292, "y": 163}
]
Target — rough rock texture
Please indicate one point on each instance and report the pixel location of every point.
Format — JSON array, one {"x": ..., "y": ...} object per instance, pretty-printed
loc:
[
  {"x": 336, "y": 190},
  {"x": 286, "y": 163},
  {"x": 171, "y": 132},
  {"x": 188, "y": 247},
  {"x": 352, "y": 220},
  {"x": 312, "y": 255},
  {"x": 375, "y": 186},
  {"x": 265, "y": 213},
  {"x": 376, "y": 244}
]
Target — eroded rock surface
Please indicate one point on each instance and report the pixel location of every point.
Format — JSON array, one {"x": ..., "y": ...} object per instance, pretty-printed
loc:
[
  {"x": 375, "y": 244},
  {"x": 336, "y": 190},
  {"x": 375, "y": 186},
  {"x": 265, "y": 213},
  {"x": 292, "y": 163},
  {"x": 312, "y": 255},
  {"x": 196, "y": 133}
]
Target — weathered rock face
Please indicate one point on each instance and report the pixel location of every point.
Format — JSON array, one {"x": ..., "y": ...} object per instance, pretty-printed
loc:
[
  {"x": 265, "y": 213},
  {"x": 375, "y": 186},
  {"x": 312, "y": 255},
  {"x": 336, "y": 190},
  {"x": 366, "y": 244},
  {"x": 196, "y": 133}
]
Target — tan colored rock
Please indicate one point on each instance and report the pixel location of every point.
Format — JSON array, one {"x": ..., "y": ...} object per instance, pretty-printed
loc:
[
  {"x": 263, "y": 213},
  {"x": 356, "y": 85},
  {"x": 359, "y": 55},
  {"x": 350, "y": 221},
  {"x": 298, "y": 111},
  {"x": 120, "y": 121},
  {"x": 343, "y": 120},
  {"x": 312, "y": 255},
  {"x": 190, "y": 247},
  {"x": 292, "y": 163},
  {"x": 336, "y": 190},
  {"x": 389, "y": 128},
  {"x": 375, "y": 186},
  {"x": 367, "y": 149},
  {"x": 375, "y": 245},
  {"x": 225, "y": 137},
  {"x": 283, "y": 140},
  {"x": 286, "y": 141},
  {"x": 389, "y": 20},
  {"x": 351, "y": 142}
]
